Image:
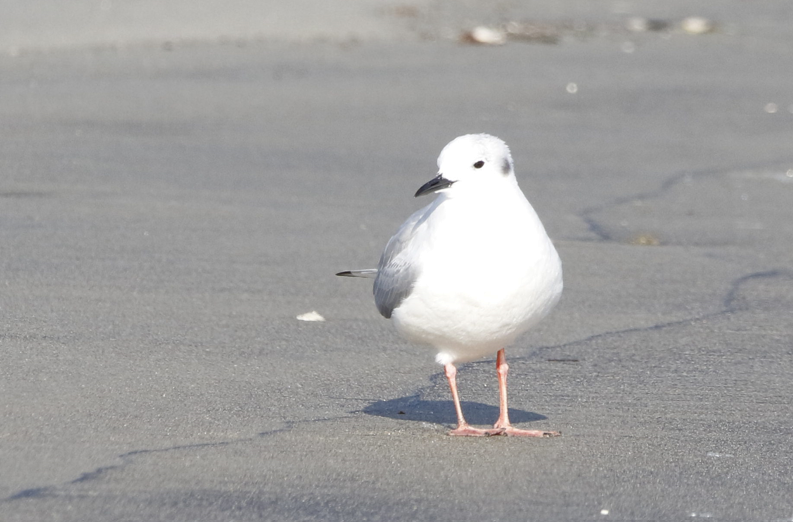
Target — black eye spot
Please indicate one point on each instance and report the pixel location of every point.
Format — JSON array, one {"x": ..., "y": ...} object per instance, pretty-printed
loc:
[{"x": 479, "y": 164}]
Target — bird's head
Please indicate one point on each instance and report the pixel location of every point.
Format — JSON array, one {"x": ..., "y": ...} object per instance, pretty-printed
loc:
[{"x": 471, "y": 162}]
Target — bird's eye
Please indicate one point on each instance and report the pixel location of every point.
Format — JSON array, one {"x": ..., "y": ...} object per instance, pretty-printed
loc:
[{"x": 479, "y": 164}]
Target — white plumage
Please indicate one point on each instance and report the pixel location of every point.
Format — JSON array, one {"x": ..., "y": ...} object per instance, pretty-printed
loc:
[{"x": 473, "y": 270}]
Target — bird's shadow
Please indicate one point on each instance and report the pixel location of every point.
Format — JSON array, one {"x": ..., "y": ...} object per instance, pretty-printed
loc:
[{"x": 442, "y": 412}]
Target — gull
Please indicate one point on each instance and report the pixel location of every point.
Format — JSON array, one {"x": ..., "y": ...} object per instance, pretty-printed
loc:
[{"x": 472, "y": 271}]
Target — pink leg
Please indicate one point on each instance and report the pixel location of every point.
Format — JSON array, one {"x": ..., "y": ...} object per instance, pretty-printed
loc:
[
  {"x": 463, "y": 429},
  {"x": 502, "y": 368}
]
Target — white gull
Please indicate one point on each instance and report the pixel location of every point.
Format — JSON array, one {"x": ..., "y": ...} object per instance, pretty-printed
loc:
[{"x": 471, "y": 271}]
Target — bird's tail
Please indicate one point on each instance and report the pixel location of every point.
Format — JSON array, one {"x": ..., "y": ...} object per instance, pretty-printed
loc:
[{"x": 370, "y": 273}]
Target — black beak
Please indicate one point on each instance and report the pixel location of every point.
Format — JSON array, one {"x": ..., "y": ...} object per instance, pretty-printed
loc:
[{"x": 434, "y": 185}]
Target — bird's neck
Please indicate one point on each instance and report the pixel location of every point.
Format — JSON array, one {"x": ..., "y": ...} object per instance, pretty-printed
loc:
[{"x": 505, "y": 192}]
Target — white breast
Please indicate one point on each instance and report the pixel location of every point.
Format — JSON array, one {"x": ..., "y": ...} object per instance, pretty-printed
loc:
[{"x": 488, "y": 273}]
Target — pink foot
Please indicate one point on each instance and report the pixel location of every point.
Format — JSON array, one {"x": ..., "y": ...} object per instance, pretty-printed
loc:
[
  {"x": 468, "y": 431},
  {"x": 509, "y": 431}
]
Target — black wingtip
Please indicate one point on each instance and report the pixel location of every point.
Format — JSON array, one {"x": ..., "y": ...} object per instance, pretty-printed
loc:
[{"x": 346, "y": 273}]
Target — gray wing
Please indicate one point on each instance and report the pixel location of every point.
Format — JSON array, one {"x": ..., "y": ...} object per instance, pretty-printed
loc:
[{"x": 397, "y": 272}]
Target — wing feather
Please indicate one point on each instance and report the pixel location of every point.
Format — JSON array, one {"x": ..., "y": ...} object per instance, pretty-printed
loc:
[{"x": 398, "y": 270}]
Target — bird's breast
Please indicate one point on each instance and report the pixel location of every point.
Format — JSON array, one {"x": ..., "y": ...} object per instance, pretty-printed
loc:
[{"x": 486, "y": 275}]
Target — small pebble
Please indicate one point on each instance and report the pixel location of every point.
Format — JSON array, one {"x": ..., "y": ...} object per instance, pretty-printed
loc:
[
  {"x": 310, "y": 316},
  {"x": 697, "y": 25},
  {"x": 645, "y": 240},
  {"x": 639, "y": 24},
  {"x": 486, "y": 36}
]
